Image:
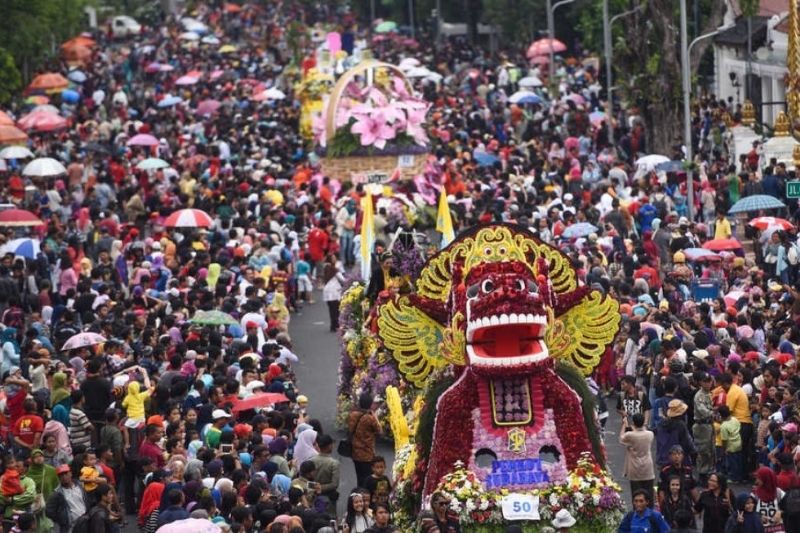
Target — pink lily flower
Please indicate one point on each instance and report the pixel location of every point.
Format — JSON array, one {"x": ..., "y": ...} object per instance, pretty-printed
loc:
[{"x": 373, "y": 131}]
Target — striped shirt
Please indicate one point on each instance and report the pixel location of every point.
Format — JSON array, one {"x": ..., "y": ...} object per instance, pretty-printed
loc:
[{"x": 80, "y": 429}]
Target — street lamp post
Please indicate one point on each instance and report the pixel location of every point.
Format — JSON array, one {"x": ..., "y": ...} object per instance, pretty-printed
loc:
[
  {"x": 551, "y": 31},
  {"x": 609, "y": 53}
]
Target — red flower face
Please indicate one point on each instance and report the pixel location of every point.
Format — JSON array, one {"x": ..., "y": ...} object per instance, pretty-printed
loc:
[{"x": 506, "y": 316}]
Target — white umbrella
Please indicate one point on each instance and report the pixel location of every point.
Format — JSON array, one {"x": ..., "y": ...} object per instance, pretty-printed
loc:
[
  {"x": 650, "y": 161},
  {"x": 409, "y": 63},
  {"x": 189, "y": 36},
  {"x": 209, "y": 39},
  {"x": 152, "y": 163},
  {"x": 15, "y": 152},
  {"x": 530, "y": 81},
  {"x": 274, "y": 94},
  {"x": 82, "y": 340},
  {"x": 44, "y": 167}
]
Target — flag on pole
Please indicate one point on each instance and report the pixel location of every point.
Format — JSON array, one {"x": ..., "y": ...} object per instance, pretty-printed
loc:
[
  {"x": 367, "y": 238},
  {"x": 444, "y": 224}
]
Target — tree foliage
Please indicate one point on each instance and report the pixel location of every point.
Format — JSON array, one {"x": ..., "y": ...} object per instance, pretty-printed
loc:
[
  {"x": 32, "y": 30},
  {"x": 10, "y": 80}
]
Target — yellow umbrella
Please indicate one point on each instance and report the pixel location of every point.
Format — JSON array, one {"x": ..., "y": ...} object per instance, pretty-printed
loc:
[{"x": 227, "y": 49}]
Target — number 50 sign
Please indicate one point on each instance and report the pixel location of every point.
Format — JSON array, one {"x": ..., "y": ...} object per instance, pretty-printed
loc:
[{"x": 520, "y": 507}]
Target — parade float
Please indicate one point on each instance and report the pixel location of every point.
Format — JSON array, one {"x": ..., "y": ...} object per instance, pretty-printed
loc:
[
  {"x": 373, "y": 126},
  {"x": 482, "y": 364}
]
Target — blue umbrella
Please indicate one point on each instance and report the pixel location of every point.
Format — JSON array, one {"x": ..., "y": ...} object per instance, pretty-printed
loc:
[
  {"x": 581, "y": 229},
  {"x": 170, "y": 101},
  {"x": 27, "y": 248},
  {"x": 755, "y": 202},
  {"x": 77, "y": 76},
  {"x": 529, "y": 99},
  {"x": 70, "y": 96},
  {"x": 670, "y": 166},
  {"x": 485, "y": 159}
]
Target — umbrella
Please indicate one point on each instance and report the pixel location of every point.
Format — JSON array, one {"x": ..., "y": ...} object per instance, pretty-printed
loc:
[
  {"x": 719, "y": 245},
  {"x": 418, "y": 72},
  {"x": 184, "y": 80},
  {"x": 80, "y": 40},
  {"x": 189, "y": 36},
  {"x": 18, "y": 218},
  {"x": 77, "y": 76},
  {"x": 761, "y": 223},
  {"x": 166, "y": 68},
  {"x": 77, "y": 54},
  {"x": 209, "y": 39},
  {"x": 27, "y": 248},
  {"x": 543, "y": 47},
  {"x": 409, "y": 63},
  {"x": 46, "y": 108},
  {"x": 142, "y": 139},
  {"x": 151, "y": 163},
  {"x": 755, "y": 202},
  {"x": 169, "y": 101},
  {"x": 650, "y": 161},
  {"x": 232, "y": 8},
  {"x": 44, "y": 167},
  {"x": 155, "y": 66},
  {"x": 699, "y": 254},
  {"x": 485, "y": 159},
  {"x": 82, "y": 340},
  {"x": 71, "y": 97},
  {"x": 597, "y": 117},
  {"x": 227, "y": 49},
  {"x": 97, "y": 147},
  {"x": 576, "y": 99},
  {"x": 386, "y": 27},
  {"x": 42, "y": 121},
  {"x": 670, "y": 166},
  {"x": 11, "y": 134},
  {"x": 190, "y": 525},
  {"x": 530, "y": 81},
  {"x": 208, "y": 107},
  {"x": 5, "y": 119},
  {"x": 213, "y": 318},
  {"x": 265, "y": 399},
  {"x": 732, "y": 297},
  {"x": 524, "y": 97},
  {"x": 188, "y": 218},
  {"x": 581, "y": 229},
  {"x": 51, "y": 81},
  {"x": 274, "y": 94},
  {"x": 15, "y": 152},
  {"x": 37, "y": 99}
]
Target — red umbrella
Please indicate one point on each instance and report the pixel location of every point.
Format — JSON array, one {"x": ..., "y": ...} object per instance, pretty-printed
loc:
[
  {"x": 265, "y": 399},
  {"x": 18, "y": 218},
  {"x": 5, "y": 120},
  {"x": 51, "y": 81},
  {"x": 208, "y": 107},
  {"x": 719, "y": 245},
  {"x": 11, "y": 134},
  {"x": 543, "y": 46},
  {"x": 188, "y": 218},
  {"x": 763, "y": 223},
  {"x": 43, "y": 121}
]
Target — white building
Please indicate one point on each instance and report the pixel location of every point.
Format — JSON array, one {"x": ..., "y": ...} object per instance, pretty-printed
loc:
[{"x": 768, "y": 62}]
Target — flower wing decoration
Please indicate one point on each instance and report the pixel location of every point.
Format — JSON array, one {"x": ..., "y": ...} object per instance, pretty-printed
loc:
[
  {"x": 580, "y": 334},
  {"x": 413, "y": 337}
]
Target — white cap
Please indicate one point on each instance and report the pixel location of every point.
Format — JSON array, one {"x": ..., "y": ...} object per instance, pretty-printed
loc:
[
  {"x": 220, "y": 413},
  {"x": 255, "y": 384},
  {"x": 568, "y": 196},
  {"x": 683, "y": 221}
]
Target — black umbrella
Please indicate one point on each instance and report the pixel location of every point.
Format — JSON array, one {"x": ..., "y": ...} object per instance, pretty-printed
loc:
[{"x": 99, "y": 148}]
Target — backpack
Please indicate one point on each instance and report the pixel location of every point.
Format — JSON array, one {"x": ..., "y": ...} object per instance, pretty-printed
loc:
[
  {"x": 791, "y": 502},
  {"x": 83, "y": 522}
]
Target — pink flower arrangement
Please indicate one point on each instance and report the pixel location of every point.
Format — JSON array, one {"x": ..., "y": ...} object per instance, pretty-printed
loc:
[{"x": 375, "y": 116}]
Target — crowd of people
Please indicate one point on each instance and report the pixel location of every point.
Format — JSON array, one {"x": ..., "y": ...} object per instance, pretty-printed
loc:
[{"x": 152, "y": 425}]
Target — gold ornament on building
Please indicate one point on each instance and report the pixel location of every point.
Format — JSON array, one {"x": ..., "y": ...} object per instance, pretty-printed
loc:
[
  {"x": 748, "y": 113},
  {"x": 782, "y": 126},
  {"x": 796, "y": 156},
  {"x": 727, "y": 119}
]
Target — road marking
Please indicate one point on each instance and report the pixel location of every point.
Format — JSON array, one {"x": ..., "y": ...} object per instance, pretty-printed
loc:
[{"x": 320, "y": 323}]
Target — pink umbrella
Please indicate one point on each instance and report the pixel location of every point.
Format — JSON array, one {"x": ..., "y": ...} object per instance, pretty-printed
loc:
[
  {"x": 186, "y": 80},
  {"x": 82, "y": 340},
  {"x": 539, "y": 60},
  {"x": 195, "y": 73},
  {"x": 167, "y": 68},
  {"x": 576, "y": 99},
  {"x": 190, "y": 525},
  {"x": 216, "y": 74},
  {"x": 155, "y": 66},
  {"x": 143, "y": 139},
  {"x": 543, "y": 46},
  {"x": 208, "y": 107},
  {"x": 42, "y": 121},
  {"x": 188, "y": 218}
]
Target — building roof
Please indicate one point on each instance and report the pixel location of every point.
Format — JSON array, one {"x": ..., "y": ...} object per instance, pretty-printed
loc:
[{"x": 737, "y": 34}]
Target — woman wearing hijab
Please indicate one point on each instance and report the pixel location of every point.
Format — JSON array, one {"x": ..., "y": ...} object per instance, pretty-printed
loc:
[
  {"x": 10, "y": 348},
  {"x": 58, "y": 426},
  {"x": 151, "y": 501},
  {"x": 281, "y": 484},
  {"x": 59, "y": 393},
  {"x": 78, "y": 365},
  {"x": 745, "y": 519},
  {"x": 46, "y": 481},
  {"x": 306, "y": 446}
]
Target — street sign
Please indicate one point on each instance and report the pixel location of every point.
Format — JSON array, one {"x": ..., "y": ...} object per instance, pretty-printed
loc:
[{"x": 793, "y": 189}]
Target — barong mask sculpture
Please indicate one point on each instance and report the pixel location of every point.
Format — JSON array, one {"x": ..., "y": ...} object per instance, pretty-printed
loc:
[{"x": 506, "y": 311}]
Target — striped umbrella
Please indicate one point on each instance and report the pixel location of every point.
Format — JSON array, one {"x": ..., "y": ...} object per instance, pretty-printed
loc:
[
  {"x": 27, "y": 248},
  {"x": 188, "y": 218},
  {"x": 755, "y": 202},
  {"x": 763, "y": 223}
]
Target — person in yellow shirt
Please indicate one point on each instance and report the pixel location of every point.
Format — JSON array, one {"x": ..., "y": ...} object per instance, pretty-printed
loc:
[
  {"x": 739, "y": 405},
  {"x": 722, "y": 227}
]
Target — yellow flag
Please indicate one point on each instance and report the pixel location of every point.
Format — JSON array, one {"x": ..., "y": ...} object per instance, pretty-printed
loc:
[
  {"x": 367, "y": 237},
  {"x": 444, "y": 224}
]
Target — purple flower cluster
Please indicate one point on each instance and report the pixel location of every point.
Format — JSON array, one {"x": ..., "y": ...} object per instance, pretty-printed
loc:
[
  {"x": 407, "y": 260},
  {"x": 380, "y": 375}
]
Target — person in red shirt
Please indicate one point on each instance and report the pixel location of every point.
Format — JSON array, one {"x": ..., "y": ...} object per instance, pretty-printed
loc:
[
  {"x": 649, "y": 274},
  {"x": 318, "y": 241},
  {"x": 28, "y": 428},
  {"x": 787, "y": 477},
  {"x": 104, "y": 457},
  {"x": 149, "y": 447}
]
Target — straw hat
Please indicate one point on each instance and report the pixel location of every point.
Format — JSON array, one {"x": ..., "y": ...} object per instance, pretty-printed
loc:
[{"x": 676, "y": 408}]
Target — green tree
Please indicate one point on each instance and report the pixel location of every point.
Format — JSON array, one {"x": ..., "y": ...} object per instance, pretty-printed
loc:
[{"x": 10, "y": 80}]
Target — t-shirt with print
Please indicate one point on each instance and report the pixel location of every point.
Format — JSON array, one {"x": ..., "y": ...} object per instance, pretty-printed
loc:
[
  {"x": 768, "y": 509},
  {"x": 27, "y": 427},
  {"x": 379, "y": 489},
  {"x": 638, "y": 403}
]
